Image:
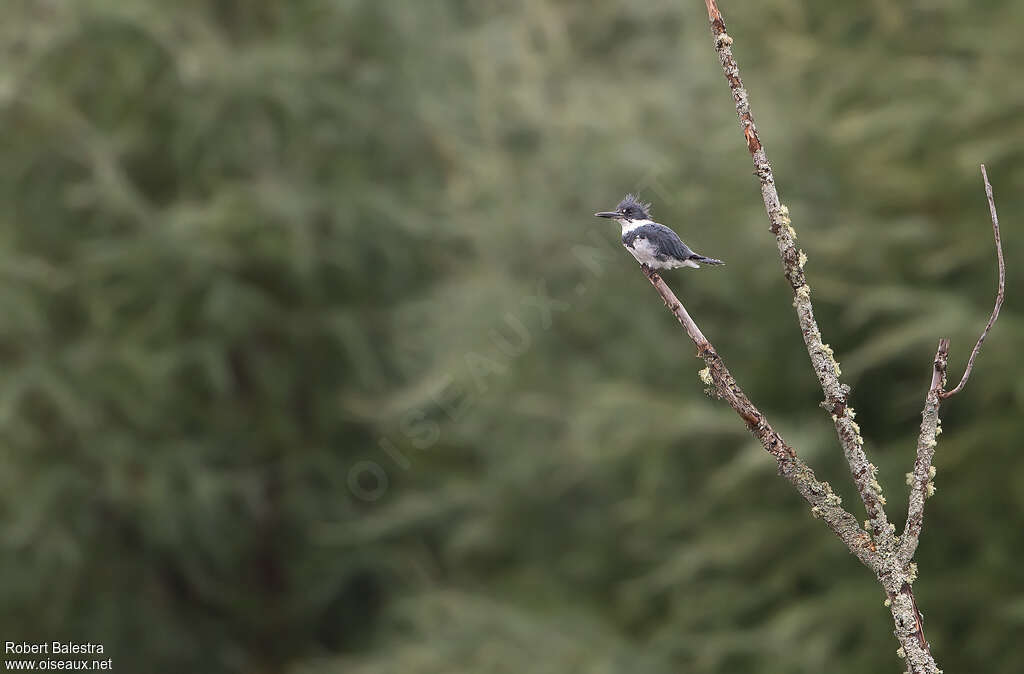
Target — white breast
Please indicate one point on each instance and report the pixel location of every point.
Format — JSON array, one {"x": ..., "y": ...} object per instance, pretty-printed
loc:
[{"x": 630, "y": 225}]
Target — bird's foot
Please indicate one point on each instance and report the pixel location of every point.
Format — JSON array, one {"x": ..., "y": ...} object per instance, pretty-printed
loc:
[{"x": 647, "y": 270}]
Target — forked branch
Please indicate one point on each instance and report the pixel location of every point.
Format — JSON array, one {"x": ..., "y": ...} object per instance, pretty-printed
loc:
[
  {"x": 888, "y": 557},
  {"x": 825, "y": 504},
  {"x": 895, "y": 572},
  {"x": 921, "y": 479}
]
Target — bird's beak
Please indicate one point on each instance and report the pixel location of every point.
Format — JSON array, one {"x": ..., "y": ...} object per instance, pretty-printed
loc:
[{"x": 608, "y": 214}]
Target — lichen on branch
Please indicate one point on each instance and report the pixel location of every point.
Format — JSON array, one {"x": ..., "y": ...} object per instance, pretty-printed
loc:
[
  {"x": 793, "y": 260},
  {"x": 824, "y": 502}
]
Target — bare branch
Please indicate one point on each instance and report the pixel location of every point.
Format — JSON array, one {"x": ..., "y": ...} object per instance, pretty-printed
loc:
[
  {"x": 793, "y": 259},
  {"x": 999, "y": 293},
  {"x": 825, "y": 504},
  {"x": 895, "y": 573},
  {"x": 920, "y": 479}
]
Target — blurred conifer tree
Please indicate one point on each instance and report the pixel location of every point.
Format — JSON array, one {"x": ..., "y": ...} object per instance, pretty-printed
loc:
[{"x": 249, "y": 247}]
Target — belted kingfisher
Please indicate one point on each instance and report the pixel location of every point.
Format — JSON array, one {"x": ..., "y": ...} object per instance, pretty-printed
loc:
[{"x": 654, "y": 246}]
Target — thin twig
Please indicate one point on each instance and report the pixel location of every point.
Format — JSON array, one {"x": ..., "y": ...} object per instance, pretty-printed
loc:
[
  {"x": 999, "y": 293},
  {"x": 793, "y": 259},
  {"x": 825, "y": 504}
]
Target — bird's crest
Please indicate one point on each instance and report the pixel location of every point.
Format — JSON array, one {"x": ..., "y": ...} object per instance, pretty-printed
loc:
[{"x": 636, "y": 209}]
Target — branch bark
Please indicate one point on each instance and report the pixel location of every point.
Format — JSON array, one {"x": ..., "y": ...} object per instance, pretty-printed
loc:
[
  {"x": 793, "y": 259},
  {"x": 825, "y": 504},
  {"x": 920, "y": 479}
]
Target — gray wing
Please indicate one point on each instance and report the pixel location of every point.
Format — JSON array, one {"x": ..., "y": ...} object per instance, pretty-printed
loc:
[{"x": 665, "y": 239}]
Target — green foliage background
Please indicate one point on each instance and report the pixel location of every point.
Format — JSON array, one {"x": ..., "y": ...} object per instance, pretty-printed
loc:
[{"x": 314, "y": 359}]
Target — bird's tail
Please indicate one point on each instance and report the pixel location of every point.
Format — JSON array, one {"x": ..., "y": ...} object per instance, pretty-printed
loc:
[{"x": 705, "y": 260}]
